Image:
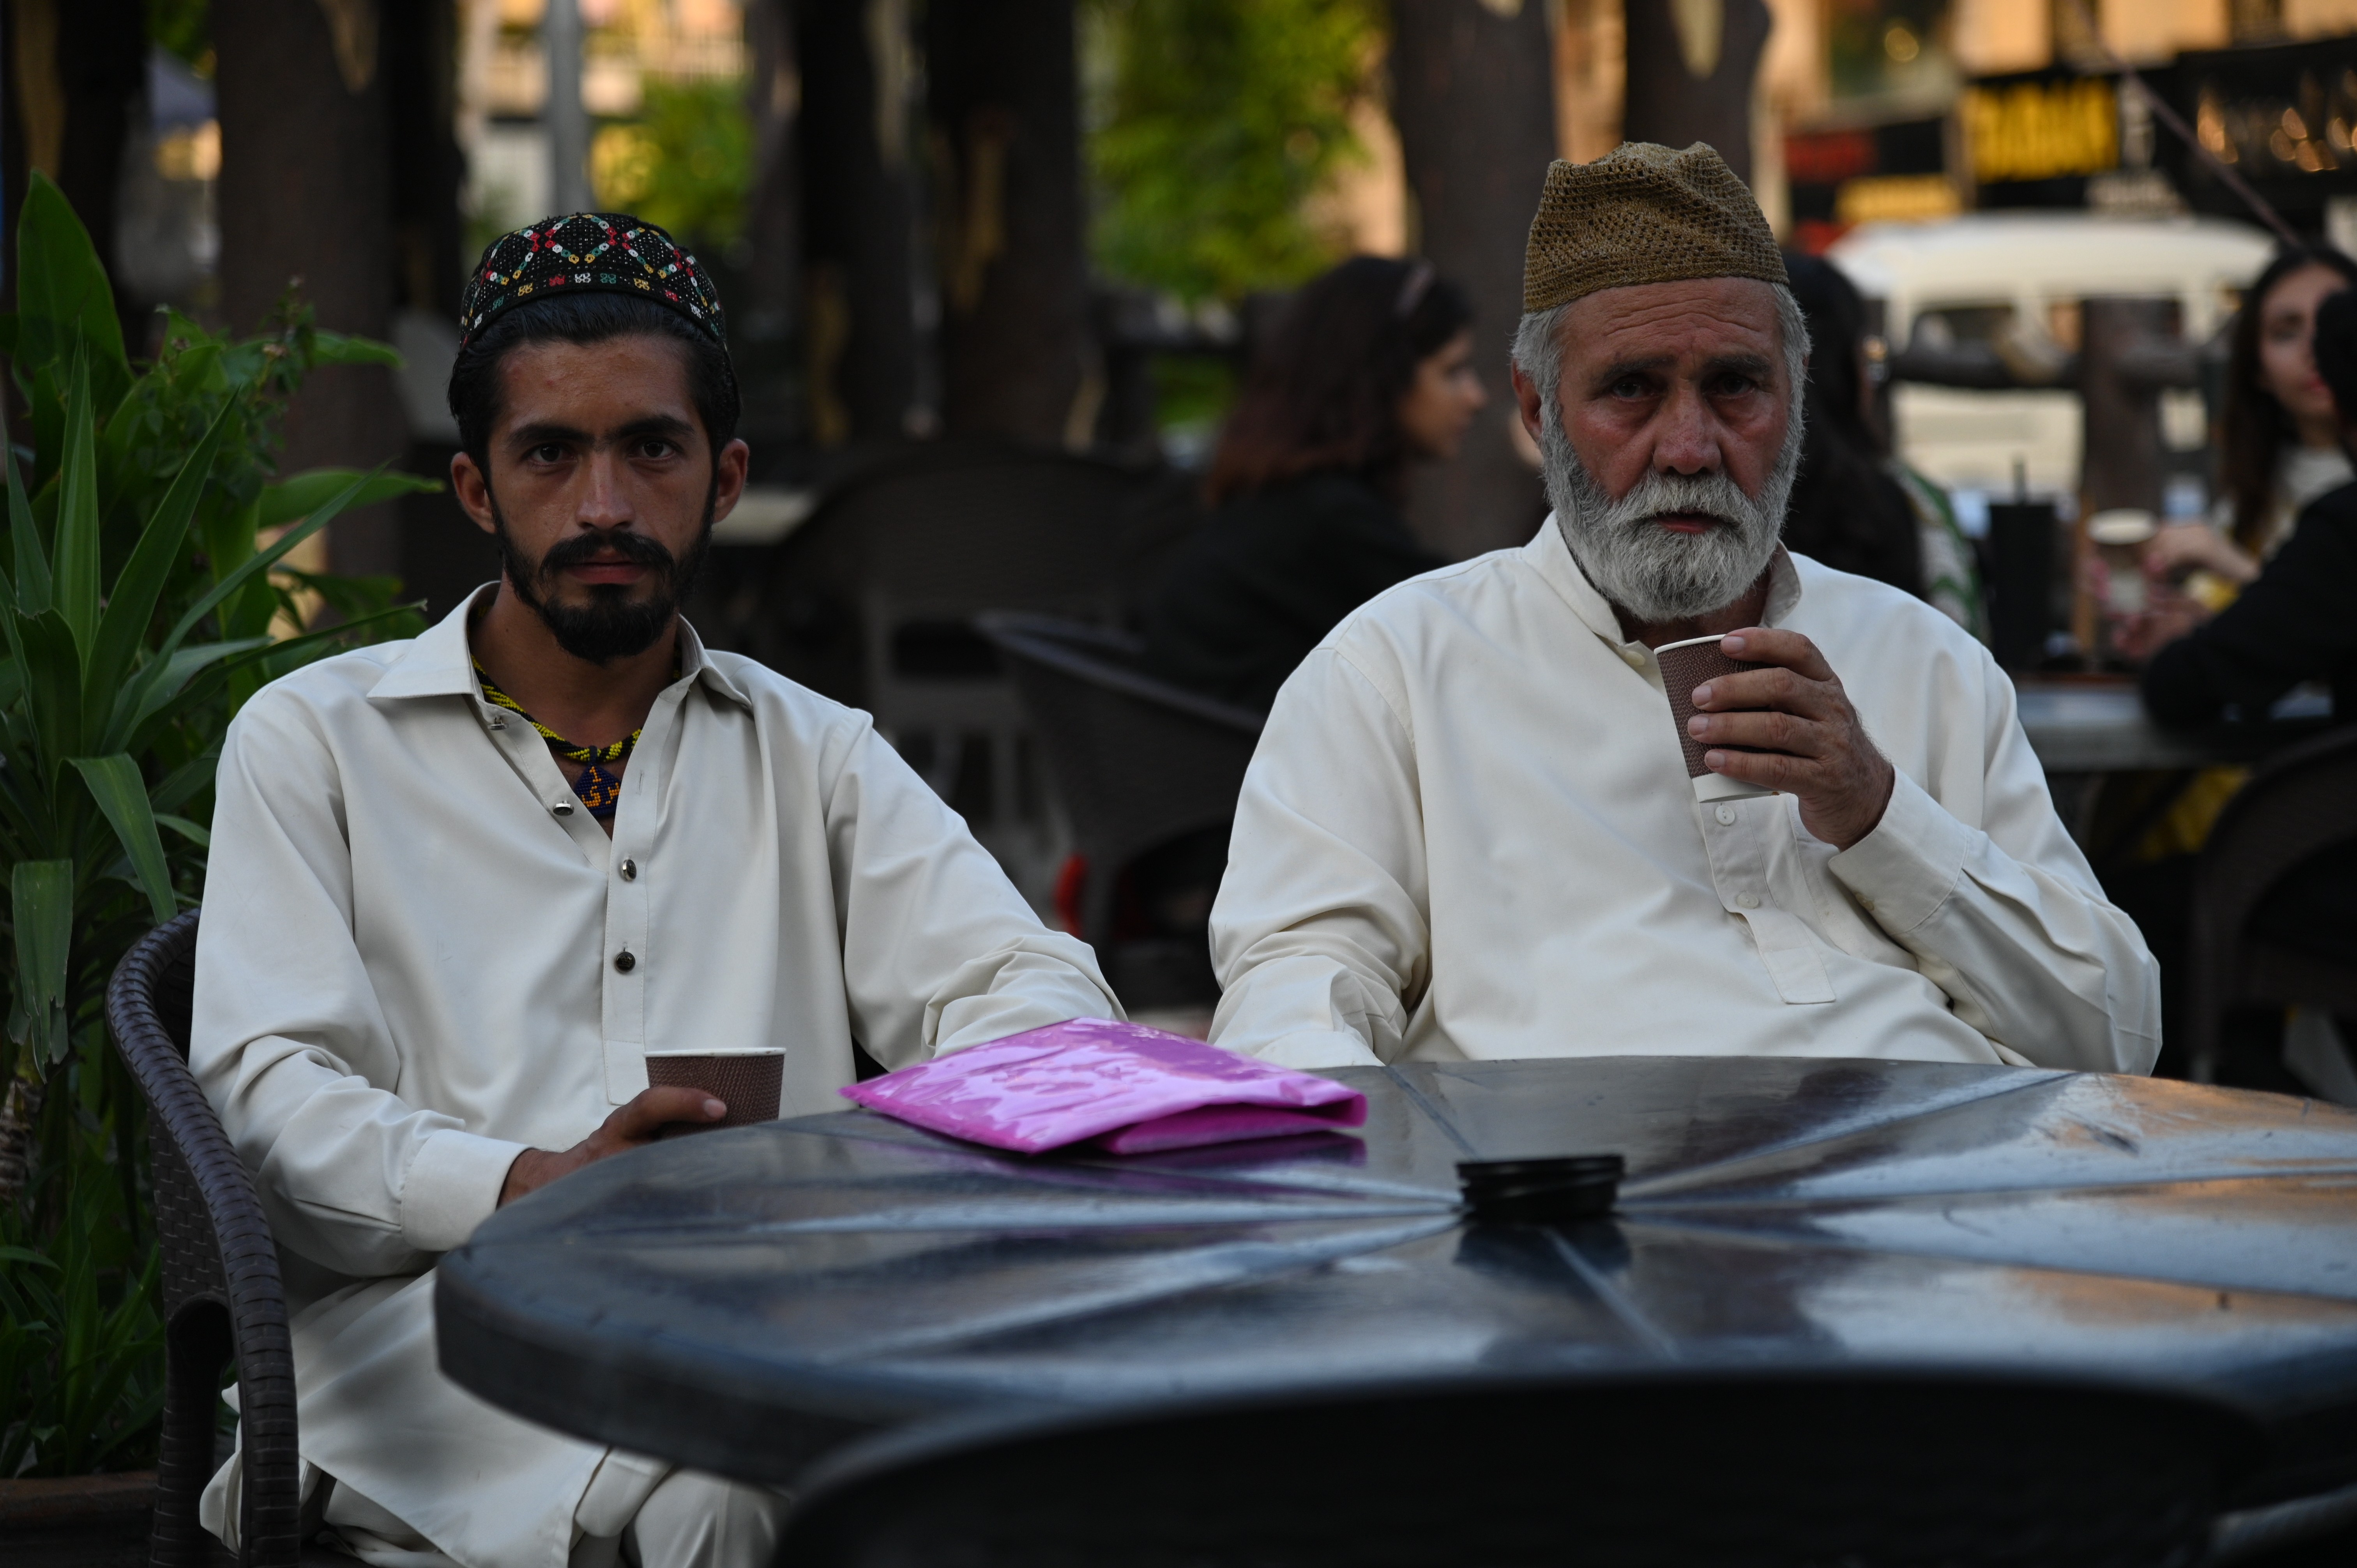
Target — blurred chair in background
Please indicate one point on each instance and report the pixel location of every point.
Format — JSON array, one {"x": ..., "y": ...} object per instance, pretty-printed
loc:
[
  {"x": 872, "y": 602},
  {"x": 1147, "y": 773},
  {"x": 2274, "y": 923}
]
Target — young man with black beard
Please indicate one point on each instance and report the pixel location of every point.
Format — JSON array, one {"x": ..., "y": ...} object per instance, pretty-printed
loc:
[
  {"x": 460, "y": 887},
  {"x": 1469, "y": 831}
]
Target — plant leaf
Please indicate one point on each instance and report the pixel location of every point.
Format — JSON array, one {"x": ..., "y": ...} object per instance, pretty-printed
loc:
[
  {"x": 196, "y": 835},
  {"x": 51, "y": 668},
  {"x": 337, "y": 349},
  {"x": 32, "y": 560},
  {"x": 40, "y": 897},
  {"x": 164, "y": 681},
  {"x": 135, "y": 693},
  {"x": 307, "y": 492},
  {"x": 140, "y": 582},
  {"x": 62, "y": 292},
  {"x": 115, "y": 784},
  {"x": 77, "y": 531}
]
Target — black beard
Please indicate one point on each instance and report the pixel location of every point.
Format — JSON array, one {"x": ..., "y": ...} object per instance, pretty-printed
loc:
[{"x": 612, "y": 625}]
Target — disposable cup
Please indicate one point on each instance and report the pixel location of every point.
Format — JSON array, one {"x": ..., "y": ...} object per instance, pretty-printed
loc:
[
  {"x": 1686, "y": 665},
  {"x": 749, "y": 1082}
]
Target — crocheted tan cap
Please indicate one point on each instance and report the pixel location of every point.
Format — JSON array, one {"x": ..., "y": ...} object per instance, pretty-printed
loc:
[{"x": 1643, "y": 213}]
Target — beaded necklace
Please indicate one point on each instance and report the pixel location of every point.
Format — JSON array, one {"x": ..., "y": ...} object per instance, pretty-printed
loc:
[{"x": 599, "y": 789}]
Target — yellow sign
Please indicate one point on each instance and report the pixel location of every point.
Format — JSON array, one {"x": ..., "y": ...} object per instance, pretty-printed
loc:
[
  {"x": 1896, "y": 199},
  {"x": 2035, "y": 130}
]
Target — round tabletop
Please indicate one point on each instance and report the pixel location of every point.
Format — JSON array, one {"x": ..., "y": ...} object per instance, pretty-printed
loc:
[{"x": 748, "y": 1301}]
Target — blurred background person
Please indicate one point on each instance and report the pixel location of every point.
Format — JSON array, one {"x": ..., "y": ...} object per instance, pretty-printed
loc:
[
  {"x": 2279, "y": 438},
  {"x": 2279, "y": 449},
  {"x": 2290, "y": 624},
  {"x": 1368, "y": 368},
  {"x": 1855, "y": 507}
]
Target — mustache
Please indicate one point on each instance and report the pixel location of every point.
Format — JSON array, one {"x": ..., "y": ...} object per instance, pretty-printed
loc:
[{"x": 581, "y": 549}]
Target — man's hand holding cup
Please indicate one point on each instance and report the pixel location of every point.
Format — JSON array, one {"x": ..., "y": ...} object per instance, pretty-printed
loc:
[{"x": 1798, "y": 733}]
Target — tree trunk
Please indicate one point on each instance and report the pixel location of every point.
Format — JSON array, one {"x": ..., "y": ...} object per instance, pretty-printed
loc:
[
  {"x": 1687, "y": 87},
  {"x": 1015, "y": 286},
  {"x": 763, "y": 324},
  {"x": 421, "y": 82},
  {"x": 1474, "y": 99},
  {"x": 76, "y": 70},
  {"x": 304, "y": 194},
  {"x": 858, "y": 216}
]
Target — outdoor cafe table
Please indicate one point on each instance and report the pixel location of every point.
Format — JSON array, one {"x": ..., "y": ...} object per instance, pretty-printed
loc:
[
  {"x": 2099, "y": 726},
  {"x": 750, "y": 1301}
]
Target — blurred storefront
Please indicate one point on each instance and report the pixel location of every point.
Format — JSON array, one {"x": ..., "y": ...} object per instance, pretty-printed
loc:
[{"x": 1914, "y": 110}]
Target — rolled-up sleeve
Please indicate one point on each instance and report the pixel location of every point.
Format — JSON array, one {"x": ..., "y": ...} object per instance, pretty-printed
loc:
[
  {"x": 289, "y": 1041},
  {"x": 1320, "y": 928},
  {"x": 2003, "y": 915}
]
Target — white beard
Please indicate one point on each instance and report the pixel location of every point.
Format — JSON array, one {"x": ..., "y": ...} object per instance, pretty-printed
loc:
[{"x": 1651, "y": 572}]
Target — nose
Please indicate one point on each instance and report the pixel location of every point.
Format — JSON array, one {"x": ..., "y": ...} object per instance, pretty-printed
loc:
[
  {"x": 1685, "y": 439},
  {"x": 603, "y": 504}
]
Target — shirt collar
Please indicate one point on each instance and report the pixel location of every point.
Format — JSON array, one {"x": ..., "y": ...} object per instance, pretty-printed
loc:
[
  {"x": 441, "y": 663},
  {"x": 1551, "y": 557}
]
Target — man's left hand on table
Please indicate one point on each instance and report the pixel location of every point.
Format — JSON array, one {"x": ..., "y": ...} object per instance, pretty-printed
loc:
[{"x": 1806, "y": 736}]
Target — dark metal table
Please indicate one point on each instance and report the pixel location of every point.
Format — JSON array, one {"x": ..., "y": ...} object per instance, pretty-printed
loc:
[{"x": 750, "y": 1301}]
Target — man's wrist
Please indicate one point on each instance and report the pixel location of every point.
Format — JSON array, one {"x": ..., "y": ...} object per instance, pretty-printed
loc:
[{"x": 526, "y": 1173}]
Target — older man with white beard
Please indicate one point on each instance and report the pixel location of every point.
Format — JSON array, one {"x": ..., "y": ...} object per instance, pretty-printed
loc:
[{"x": 1469, "y": 831}]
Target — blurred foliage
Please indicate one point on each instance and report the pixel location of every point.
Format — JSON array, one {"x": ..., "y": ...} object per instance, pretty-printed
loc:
[
  {"x": 138, "y": 608},
  {"x": 685, "y": 164},
  {"x": 1191, "y": 394},
  {"x": 184, "y": 27},
  {"x": 1211, "y": 122}
]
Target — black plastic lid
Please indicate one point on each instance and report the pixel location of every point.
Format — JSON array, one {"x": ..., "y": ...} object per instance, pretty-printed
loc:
[{"x": 1540, "y": 1191}]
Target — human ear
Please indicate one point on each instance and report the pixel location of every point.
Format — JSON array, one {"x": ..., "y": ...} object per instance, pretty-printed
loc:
[
  {"x": 1526, "y": 399},
  {"x": 473, "y": 489}
]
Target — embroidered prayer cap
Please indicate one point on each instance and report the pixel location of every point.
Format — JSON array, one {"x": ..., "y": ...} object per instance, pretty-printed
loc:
[
  {"x": 1643, "y": 213},
  {"x": 588, "y": 252}
]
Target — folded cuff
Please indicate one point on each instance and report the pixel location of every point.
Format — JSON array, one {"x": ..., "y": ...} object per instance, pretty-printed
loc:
[
  {"x": 452, "y": 1187},
  {"x": 1904, "y": 870}
]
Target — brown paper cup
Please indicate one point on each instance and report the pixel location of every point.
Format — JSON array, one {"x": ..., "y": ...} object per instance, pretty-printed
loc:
[
  {"x": 749, "y": 1082},
  {"x": 1684, "y": 666}
]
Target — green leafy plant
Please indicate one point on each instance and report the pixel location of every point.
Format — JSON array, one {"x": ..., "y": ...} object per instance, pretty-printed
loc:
[
  {"x": 139, "y": 606},
  {"x": 1213, "y": 123},
  {"x": 685, "y": 164}
]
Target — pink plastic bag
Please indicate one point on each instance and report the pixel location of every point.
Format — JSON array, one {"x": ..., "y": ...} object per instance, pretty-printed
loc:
[{"x": 1133, "y": 1088}]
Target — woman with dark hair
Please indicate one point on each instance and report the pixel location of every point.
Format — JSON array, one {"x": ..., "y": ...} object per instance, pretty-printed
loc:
[
  {"x": 2279, "y": 440},
  {"x": 1846, "y": 512},
  {"x": 1855, "y": 507},
  {"x": 1368, "y": 368}
]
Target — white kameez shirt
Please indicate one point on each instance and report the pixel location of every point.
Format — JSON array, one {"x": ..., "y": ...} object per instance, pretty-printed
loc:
[
  {"x": 1468, "y": 834},
  {"x": 411, "y": 967}
]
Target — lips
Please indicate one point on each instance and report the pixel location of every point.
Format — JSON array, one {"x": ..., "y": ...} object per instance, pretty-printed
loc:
[
  {"x": 624, "y": 572},
  {"x": 1686, "y": 522}
]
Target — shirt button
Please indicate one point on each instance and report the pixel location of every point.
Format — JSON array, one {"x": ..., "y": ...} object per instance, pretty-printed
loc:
[
  {"x": 1726, "y": 815},
  {"x": 629, "y": 871},
  {"x": 1742, "y": 901},
  {"x": 625, "y": 961},
  {"x": 563, "y": 807}
]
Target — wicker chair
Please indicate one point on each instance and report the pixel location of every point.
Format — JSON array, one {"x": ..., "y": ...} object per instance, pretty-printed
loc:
[
  {"x": 2302, "y": 802},
  {"x": 222, "y": 1299}
]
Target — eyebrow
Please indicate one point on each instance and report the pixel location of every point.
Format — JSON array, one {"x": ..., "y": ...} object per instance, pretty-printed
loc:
[
  {"x": 1749, "y": 364},
  {"x": 524, "y": 435}
]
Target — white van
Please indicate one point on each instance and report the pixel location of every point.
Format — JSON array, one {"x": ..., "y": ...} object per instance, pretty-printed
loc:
[{"x": 2018, "y": 278}]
